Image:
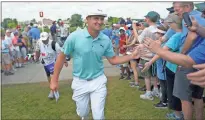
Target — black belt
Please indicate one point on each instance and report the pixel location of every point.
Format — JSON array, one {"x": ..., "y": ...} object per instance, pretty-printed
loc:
[{"x": 89, "y": 79}]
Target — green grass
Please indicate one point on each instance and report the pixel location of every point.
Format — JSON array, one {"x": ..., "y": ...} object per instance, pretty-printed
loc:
[{"x": 29, "y": 101}]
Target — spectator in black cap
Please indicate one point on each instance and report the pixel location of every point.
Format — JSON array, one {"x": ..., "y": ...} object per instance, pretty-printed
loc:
[
  {"x": 171, "y": 10},
  {"x": 123, "y": 23}
]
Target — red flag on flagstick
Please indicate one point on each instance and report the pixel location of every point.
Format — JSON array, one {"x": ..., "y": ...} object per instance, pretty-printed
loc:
[{"x": 41, "y": 14}]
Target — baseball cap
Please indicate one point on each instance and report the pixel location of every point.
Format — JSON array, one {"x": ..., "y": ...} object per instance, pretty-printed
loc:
[
  {"x": 171, "y": 9},
  {"x": 44, "y": 36},
  {"x": 35, "y": 25},
  {"x": 145, "y": 24},
  {"x": 160, "y": 29},
  {"x": 8, "y": 31},
  {"x": 114, "y": 24},
  {"x": 15, "y": 33},
  {"x": 173, "y": 18},
  {"x": 122, "y": 28},
  {"x": 97, "y": 12},
  {"x": 152, "y": 15},
  {"x": 129, "y": 25}
]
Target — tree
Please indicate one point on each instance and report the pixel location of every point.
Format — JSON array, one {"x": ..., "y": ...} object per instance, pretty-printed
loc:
[
  {"x": 9, "y": 23},
  {"x": 76, "y": 20},
  {"x": 113, "y": 20},
  {"x": 15, "y": 21},
  {"x": 5, "y": 22}
]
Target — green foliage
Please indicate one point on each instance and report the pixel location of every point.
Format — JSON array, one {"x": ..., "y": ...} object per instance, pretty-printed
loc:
[
  {"x": 76, "y": 20},
  {"x": 45, "y": 28},
  {"x": 15, "y": 21},
  {"x": 2, "y": 31},
  {"x": 113, "y": 20},
  {"x": 9, "y": 23},
  {"x": 72, "y": 29}
]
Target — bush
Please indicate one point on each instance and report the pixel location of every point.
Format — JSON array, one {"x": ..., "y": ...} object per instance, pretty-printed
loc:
[{"x": 46, "y": 29}]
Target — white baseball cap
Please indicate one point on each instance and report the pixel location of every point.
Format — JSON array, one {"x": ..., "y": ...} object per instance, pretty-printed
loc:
[
  {"x": 114, "y": 24},
  {"x": 8, "y": 31},
  {"x": 44, "y": 36},
  {"x": 97, "y": 12},
  {"x": 129, "y": 25},
  {"x": 122, "y": 28},
  {"x": 35, "y": 25}
]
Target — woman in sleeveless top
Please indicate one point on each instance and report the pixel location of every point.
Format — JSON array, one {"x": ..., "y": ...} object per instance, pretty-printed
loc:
[{"x": 131, "y": 44}]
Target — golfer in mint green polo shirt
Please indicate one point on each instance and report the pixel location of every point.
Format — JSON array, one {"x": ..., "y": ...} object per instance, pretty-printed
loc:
[{"x": 87, "y": 47}]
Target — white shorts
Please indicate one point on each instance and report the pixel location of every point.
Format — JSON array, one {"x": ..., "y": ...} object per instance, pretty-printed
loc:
[{"x": 124, "y": 64}]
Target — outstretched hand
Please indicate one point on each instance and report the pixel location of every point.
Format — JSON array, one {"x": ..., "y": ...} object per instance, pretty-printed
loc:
[
  {"x": 198, "y": 78},
  {"x": 152, "y": 45},
  {"x": 146, "y": 66},
  {"x": 136, "y": 53}
]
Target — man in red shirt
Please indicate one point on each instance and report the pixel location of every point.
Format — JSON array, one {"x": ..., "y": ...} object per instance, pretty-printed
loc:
[{"x": 123, "y": 41}]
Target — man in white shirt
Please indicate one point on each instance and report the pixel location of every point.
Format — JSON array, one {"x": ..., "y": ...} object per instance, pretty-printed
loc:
[
  {"x": 48, "y": 50},
  {"x": 151, "y": 18},
  {"x": 9, "y": 36},
  {"x": 63, "y": 32}
]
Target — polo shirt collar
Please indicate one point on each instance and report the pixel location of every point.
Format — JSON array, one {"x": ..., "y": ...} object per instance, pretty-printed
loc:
[{"x": 87, "y": 34}]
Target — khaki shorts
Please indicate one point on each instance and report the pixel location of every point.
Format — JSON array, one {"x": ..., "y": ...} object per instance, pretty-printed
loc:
[
  {"x": 18, "y": 54},
  {"x": 6, "y": 59},
  {"x": 124, "y": 64},
  {"x": 147, "y": 73}
]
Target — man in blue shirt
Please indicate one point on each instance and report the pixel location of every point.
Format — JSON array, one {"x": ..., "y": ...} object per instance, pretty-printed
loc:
[
  {"x": 107, "y": 31},
  {"x": 196, "y": 56},
  {"x": 87, "y": 47},
  {"x": 34, "y": 33},
  {"x": 191, "y": 40},
  {"x": 115, "y": 38},
  {"x": 53, "y": 30}
]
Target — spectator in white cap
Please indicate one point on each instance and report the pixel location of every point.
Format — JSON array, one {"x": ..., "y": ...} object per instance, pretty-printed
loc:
[
  {"x": 87, "y": 47},
  {"x": 122, "y": 52},
  {"x": 9, "y": 36},
  {"x": 47, "y": 50}
]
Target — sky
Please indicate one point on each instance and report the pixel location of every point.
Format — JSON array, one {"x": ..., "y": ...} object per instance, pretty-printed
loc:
[{"x": 54, "y": 10}]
